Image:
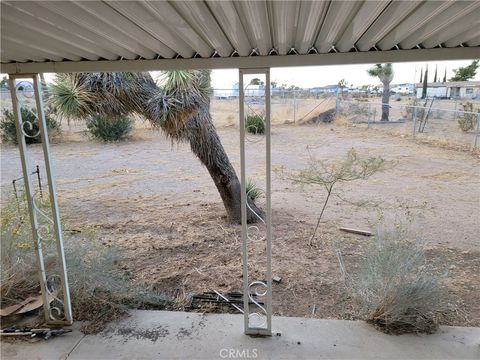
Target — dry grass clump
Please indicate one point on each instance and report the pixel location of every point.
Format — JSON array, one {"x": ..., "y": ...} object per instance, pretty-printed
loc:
[
  {"x": 395, "y": 287},
  {"x": 100, "y": 290}
]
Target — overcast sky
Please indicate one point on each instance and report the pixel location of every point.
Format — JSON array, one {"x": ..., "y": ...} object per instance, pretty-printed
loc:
[{"x": 312, "y": 76}]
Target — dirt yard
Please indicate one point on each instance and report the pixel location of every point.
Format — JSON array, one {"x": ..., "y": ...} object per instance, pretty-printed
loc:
[{"x": 155, "y": 202}]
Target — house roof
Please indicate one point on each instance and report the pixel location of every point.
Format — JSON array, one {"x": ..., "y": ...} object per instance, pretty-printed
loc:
[
  {"x": 450, "y": 84},
  {"x": 63, "y": 36}
]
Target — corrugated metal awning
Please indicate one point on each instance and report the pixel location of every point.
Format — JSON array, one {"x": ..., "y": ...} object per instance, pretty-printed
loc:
[{"x": 116, "y": 35}]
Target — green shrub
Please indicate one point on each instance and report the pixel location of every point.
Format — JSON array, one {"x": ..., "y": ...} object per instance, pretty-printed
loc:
[
  {"x": 9, "y": 131},
  {"x": 395, "y": 287},
  {"x": 255, "y": 124},
  {"x": 110, "y": 129},
  {"x": 252, "y": 190},
  {"x": 467, "y": 122}
]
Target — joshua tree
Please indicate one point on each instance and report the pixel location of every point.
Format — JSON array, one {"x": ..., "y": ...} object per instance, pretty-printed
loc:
[
  {"x": 385, "y": 74},
  {"x": 180, "y": 107},
  {"x": 342, "y": 84}
]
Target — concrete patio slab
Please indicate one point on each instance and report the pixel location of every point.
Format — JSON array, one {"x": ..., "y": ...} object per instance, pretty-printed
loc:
[{"x": 179, "y": 335}]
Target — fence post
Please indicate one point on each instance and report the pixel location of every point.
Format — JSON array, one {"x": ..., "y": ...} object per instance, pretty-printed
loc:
[
  {"x": 337, "y": 102},
  {"x": 294, "y": 106},
  {"x": 456, "y": 112},
  {"x": 477, "y": 132},
  {"x": 414, "y": 121},
  {"x": 369, "y": 113}
]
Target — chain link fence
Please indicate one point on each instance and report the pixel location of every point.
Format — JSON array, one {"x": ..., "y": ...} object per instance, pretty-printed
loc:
[{"x": 434, "y": 121}]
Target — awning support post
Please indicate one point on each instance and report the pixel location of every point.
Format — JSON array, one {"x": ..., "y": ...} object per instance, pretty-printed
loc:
[
  {"x": 258, "y": 318},
  {"x": 54, "y": 287}
]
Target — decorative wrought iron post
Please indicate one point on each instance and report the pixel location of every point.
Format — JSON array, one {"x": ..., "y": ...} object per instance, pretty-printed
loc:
[
  {"x": 53, "y": 282},
  {"x": 257, "y": 293}
]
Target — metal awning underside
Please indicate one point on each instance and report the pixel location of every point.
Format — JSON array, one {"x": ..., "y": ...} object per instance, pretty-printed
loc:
[{"x": 134, "y": 35}]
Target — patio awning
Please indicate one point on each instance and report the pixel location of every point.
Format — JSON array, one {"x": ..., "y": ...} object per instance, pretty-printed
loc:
[{"x": 64, "y": 36}]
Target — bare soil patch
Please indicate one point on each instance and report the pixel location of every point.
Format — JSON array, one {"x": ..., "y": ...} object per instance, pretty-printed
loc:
[{"x": 157, "y": 204}]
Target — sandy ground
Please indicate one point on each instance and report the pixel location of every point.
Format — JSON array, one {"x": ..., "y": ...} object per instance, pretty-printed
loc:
[{"x": 155, "y": 202}]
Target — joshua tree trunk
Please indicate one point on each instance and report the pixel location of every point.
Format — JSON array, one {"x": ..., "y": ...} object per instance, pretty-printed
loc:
[
  {"x": 206, "y": 145},
  {"x": 199, "y": 130},
  {"x": 385, "y": 101},
  {"x": 182, "y": 112}
]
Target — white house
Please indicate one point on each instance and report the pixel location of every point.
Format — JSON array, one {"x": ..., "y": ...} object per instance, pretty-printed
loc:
[{"x": 448, "y": 90}]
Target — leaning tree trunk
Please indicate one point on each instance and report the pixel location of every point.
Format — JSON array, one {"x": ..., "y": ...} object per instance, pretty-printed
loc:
[
  {"x": 196, "y": 127},
  {"x": 385, "y": 102},
  {"x": 206, "y": 145},
  {"x": 124, "y": 93}
]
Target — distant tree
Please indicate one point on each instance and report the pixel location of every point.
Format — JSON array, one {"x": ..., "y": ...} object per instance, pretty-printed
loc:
[
  {"x": 255, "y": 81},
  {"x": 342, "y": 84},
  {"x": 273, "y": 84},
  {"x": 425, "y": 83},
  {"x": 421, "y": 75},
  {"x": 435, "y": 75},
  {"x": 385, "y": 73},
  {"x": 445, "y": 76},
  {"x": 466, "y": 73},
  {"x": 4, "y": 83}
]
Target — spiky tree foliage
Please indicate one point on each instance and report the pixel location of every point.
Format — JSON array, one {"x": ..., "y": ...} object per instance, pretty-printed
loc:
[
  {"x": 385, "y": 73},
  {"x": 445, "y": 76},
  {"x": 435, "y": 75},
  {"x": 421, "y": 75},
  {"x": 179, "y": 106}
]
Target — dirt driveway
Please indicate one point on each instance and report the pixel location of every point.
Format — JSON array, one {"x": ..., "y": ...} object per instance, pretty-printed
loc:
[{"x": 155, "y": 201}]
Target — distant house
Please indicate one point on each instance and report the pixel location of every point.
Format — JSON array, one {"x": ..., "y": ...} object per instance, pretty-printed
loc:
[
  {"x": 250, "y": 91},
  {"x": 451, "y": 90},
  {"x": 329, "y": 89},
  {"x": 403, "y": 89}
]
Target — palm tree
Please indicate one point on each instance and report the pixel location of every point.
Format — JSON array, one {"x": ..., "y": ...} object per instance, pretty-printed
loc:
[
  {"x": 385, "y": 73},
  {"x": 180, "y": 107}
]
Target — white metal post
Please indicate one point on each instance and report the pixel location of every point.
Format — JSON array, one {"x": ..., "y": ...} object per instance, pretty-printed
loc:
[
  {"x": 57, "y": 308},
  {"x": 22, "y": 146},
  {"x": 251, "y": 288},
  {"x": 243, "y": 200},
  {"x": 268, "y": 195},
  {"x": 53, "y": 199}
]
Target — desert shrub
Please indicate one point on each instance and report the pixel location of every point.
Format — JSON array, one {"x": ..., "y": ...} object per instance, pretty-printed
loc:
[
  {"x": 110, "y": 129},
  {"x": 467, "y": 122},
  {"x": 409, "y": 110},
  {"x": 354, "y": 109},
  {"x": 9, "y": 131},
  {"x": 100, "y": 290},
  {"x": 253, "y": 191},
  {"x": 328, "y": 174},
  {"x": 395, "y": 287},
  {"x": 255, "y": 124}
]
